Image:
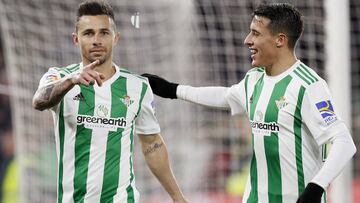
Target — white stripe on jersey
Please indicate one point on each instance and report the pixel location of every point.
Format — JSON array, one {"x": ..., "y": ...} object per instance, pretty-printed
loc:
[
  {"x": 287, "y": 144},
  {"x": 69, "y": 146},
  {"x": 259, "y": 147},
  {"x": 97, "y": 149}
]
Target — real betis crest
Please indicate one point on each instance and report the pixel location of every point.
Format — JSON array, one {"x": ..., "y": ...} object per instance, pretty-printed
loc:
[
  {"x": 281, "y": 103},
  {"x": 126, "y": 100}
]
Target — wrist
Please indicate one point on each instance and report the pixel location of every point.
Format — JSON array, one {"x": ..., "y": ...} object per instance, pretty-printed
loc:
[
  {"x": 173, "y": 89},
  {"x": 316, "y": 188},
  {"x": 73, "y": 78}
]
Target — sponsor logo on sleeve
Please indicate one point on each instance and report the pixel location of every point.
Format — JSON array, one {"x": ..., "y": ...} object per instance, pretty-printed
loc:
[
  {"x": 326, "y": 110},
  {"x": 51, "y": 78}
]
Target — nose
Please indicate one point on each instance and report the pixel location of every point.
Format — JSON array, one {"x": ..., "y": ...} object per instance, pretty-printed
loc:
[
  {"x": 97, "y": 40},
  {"x": 247, "y": 40}
]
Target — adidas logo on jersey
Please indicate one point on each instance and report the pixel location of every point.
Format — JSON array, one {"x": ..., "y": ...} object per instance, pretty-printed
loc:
[
  {"x": 251, "y": 99},
  {"x": 79, "y": 97}
]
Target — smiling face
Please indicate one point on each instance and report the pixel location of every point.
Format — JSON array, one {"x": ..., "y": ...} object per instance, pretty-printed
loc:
[
  {"x": 262, "y": 43},
  {"x": 95, "y": 37}
]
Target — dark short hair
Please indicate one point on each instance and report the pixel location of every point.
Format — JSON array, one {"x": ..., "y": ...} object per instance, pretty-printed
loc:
[
  {"x": 283, "y": 18},
  {"x": 94, "y": 7}
]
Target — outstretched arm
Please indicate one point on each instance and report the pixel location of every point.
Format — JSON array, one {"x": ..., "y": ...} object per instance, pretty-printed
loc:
[
  {"x": 207, "y": 96},
  {"x": 156, "y": 156},
  {"x": 51, "y": 94}
]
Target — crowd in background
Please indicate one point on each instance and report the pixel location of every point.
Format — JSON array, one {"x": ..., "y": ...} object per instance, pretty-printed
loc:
[{"x": 8, "y": 183}]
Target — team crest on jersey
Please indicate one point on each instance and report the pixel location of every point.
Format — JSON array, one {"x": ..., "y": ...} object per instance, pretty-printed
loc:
[
  {"x": 281, "y": 103},
  {"x": 326, "y": 110},
  {"x": 126, "y": 100}
]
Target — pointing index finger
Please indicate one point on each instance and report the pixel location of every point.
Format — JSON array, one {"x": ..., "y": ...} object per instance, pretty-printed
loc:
[{"x": 93, "y": 64}]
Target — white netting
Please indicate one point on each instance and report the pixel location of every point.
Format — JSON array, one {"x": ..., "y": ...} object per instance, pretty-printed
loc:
[{"x": 198, "y": 42}]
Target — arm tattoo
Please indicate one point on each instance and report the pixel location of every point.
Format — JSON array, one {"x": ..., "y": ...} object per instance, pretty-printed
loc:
[
  {"x": 45, "y": 93},
  {"x": 51, "y": 95},
  {"x": 153, "y": 148}
]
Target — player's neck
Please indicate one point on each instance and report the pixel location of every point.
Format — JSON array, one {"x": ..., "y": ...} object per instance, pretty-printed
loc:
[
  {"x": 281, "y": 64},
  {"x": 107, "y": 69}
]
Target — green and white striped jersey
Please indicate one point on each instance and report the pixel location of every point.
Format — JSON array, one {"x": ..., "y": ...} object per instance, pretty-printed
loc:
[
  {"x": 292, "y": 118},
  {"x": 94, "y": 129}
]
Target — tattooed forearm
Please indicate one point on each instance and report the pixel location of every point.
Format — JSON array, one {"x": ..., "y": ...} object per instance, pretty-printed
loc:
[
  {"x": 152, "y": 148},
  {"x": 51, "y": 95},
  {"x": 45, "y": 93}
]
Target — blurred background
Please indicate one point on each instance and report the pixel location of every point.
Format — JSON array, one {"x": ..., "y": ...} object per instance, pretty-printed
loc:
[{"x": 197, "y": 42}]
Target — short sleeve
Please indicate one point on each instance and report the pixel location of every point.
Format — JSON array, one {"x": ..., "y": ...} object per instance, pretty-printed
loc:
[
  {"x": 319, "y": 113},
  {"x": 236, "y": 98},
  {"x": 146, "y": 122},
  {"x": 50, "y": 77}
]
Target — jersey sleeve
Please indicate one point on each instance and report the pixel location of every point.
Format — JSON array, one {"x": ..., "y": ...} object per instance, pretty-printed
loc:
[
  {"x": 50, "y": 77},
  {"x": 146, "y": 122},
  {"x": 236, "y": 98},
  {"x": 319, "y": 113}
]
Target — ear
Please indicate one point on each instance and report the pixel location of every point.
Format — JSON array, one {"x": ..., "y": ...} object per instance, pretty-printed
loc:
[
  {"x": 117, "y": 37},
  {"x": 281, "y": 40},
  {"x": 75, "y": 38}
]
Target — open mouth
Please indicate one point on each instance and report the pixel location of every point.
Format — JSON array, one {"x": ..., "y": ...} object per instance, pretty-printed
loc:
[{"x": 253, "y": 52}]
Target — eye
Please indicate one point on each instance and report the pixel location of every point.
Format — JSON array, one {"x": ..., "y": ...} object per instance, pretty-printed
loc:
[
  {"x": 87, "y": 33},
  {"x": 255, "y": 33},
  {"x": 105, "y": 32}
]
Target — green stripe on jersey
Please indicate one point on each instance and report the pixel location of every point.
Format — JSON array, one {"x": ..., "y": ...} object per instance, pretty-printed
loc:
[
  {"x": 61, "y": 155},
  {"x": 130, "y": 189},
  {"x": 271, "y": 143},
  {"x": 82, "y": 144},
  {"x": 298, "y": 141},
  {"x": 246, "y": 92},
  {"x": 301, "y": 76},
  {"x": 73, "y": 68},
  {"x": 124, "y": 70},
  {"x": 253, "y": 100},
  {"x": 302, "y": 71},
  {"x": 113, "y": 146},
  {"x": 308, "y": 72}
]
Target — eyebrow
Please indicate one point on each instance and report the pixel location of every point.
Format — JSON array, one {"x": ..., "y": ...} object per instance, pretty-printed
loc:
[{"x": 91, "y": 29}]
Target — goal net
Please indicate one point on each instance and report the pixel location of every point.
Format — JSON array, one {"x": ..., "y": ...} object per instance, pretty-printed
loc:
[{"x": 197, "y": 42}]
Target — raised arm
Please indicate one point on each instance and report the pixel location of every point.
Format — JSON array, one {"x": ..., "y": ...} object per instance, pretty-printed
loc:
[
  {"x": 49, "y": 95},
  {"x": 156, "y": 156}
]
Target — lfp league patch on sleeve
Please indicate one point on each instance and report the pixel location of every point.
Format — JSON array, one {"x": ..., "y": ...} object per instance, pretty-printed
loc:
[{"x": 326, "y": 110}]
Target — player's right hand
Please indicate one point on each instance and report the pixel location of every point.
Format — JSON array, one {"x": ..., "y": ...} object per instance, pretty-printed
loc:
[
  {"x": 88, "y": 75},
  {"x": 162, "y": 87}
]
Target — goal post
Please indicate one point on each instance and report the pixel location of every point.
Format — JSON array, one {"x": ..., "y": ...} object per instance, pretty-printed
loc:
[{"x": 338, "y": 72}]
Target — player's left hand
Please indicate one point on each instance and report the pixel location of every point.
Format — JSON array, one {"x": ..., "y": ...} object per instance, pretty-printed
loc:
[{"x": 311, "y": 194}]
